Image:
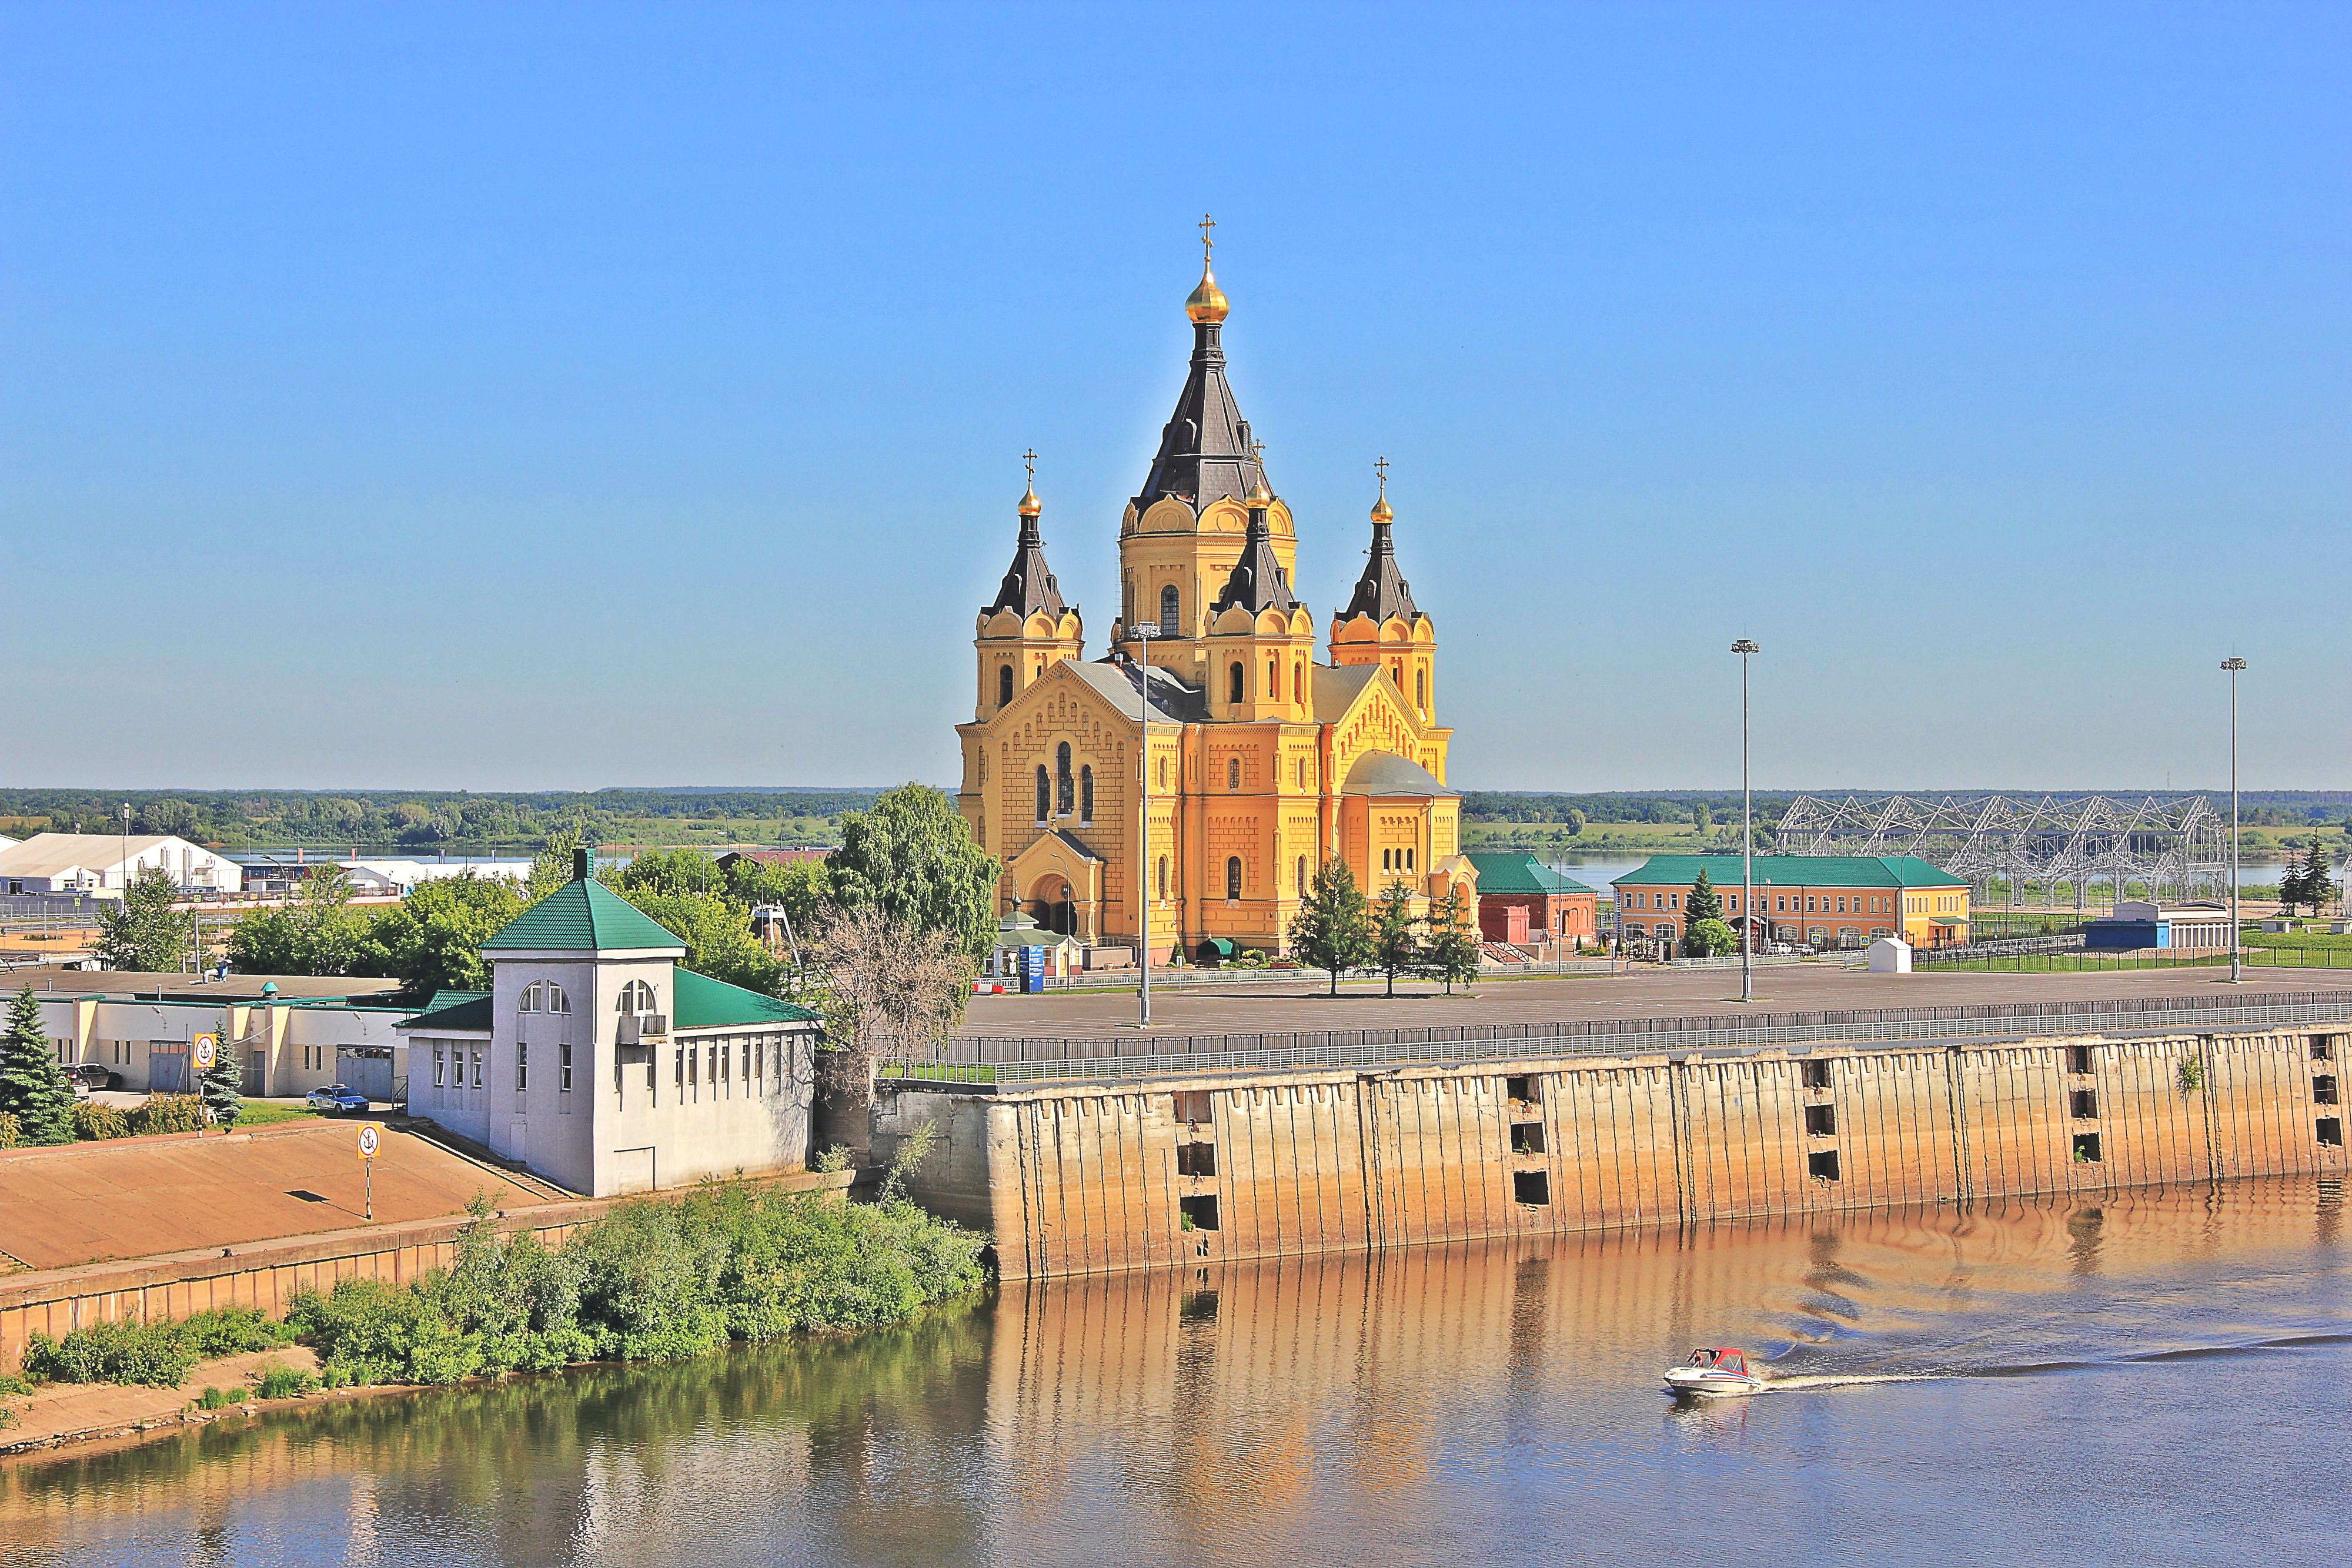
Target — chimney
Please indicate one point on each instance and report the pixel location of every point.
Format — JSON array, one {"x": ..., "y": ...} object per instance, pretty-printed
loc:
[{"x": 580, "y": 864}]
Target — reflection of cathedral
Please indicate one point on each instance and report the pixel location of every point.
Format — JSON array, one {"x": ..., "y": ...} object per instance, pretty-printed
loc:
[{"x": 1263, "y": 762}]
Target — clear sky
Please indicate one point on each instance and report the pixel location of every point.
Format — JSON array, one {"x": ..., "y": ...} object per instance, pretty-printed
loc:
[{"x": 507, "y": 397}]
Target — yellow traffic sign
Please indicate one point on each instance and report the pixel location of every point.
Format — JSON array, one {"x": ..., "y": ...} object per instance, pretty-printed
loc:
[
  {"x": 205, "y": 1048},
  {"x": 371, "y": 1139}
]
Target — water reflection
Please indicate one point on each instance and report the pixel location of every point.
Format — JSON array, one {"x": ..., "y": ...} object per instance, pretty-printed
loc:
[{"x": 1499, "y": 1403}]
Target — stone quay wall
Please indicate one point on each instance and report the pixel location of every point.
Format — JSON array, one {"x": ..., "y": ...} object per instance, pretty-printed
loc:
[{"x": 1084, "y": 1178}]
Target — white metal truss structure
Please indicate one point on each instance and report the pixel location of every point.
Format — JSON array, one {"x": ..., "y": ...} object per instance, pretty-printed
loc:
[{"x": 2176, "y": 845}]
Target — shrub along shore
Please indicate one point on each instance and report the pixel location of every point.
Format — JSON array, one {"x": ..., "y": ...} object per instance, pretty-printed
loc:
[{"x": 655, "y": 1279}]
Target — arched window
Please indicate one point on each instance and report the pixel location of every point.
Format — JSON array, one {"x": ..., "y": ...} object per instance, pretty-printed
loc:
[
  {"x": 1302, "y": 773},
  {"x": 1388, "y": 858},
  {"x": 1167, "y": 610},
  {"x": 1302, "y": 877},
  {"x": 1163, "y": 878},
  {"x": 1044, "y": 796},
  {"x": 1236, "y": 677},
  {"x": 530, "y": 994},
  {"x": 983, "y": 761},
  {"x": 1163, "y": 773},
  {"x": 1396, "y": 672},
  {"x": 1064, "y": 786},
  {"x": 1003, "y": 684},
  {"x": 1087, "y": 794},
  {"x": 1299, "y": 682},
  {"x": 557, "y": 1002},
  {"x": 1232, "y": 879},
  {"x": 1273, "y": 679},
  {"x": 1232, "y": 773},
  {"x": 637, "y": 997},
  {"x": 1421, "y": 689}
]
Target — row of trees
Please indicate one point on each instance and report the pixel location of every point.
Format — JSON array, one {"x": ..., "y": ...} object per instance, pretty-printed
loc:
[
  {"x": 1339, "y": 930},
  {"x": 2307, "y": 882}
]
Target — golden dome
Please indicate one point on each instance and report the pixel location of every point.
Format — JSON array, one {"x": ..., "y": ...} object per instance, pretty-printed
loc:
[
  {"x": 1030, "y": 505},
  {"x": 1206, "y": 305},
  {"x": 1381, "y": 513},
  {"x": 1259, "y": 497}
]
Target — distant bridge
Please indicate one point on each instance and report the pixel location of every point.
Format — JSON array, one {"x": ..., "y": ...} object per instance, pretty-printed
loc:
[{"x": 2176, "y": 845}]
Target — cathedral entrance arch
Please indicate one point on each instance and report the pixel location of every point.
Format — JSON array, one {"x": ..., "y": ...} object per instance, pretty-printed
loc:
[
  {"x": 1057, "y": 882},
  {"x": 1051, "y": 906}
]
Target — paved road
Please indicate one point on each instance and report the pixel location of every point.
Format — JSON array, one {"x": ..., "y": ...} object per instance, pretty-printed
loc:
[{"x": 1649, "y": 992}]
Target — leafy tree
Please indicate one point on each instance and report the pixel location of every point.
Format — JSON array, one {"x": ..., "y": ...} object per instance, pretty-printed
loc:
[
  {"x": 1333, "y": 927},
  {"x": 1702, "y": 818},
  {"x": 318, "y": 933},
  {"x": 551, "y": 867},
  {"x": 717, "y": 937},
  {"x": 1396, "y": 935},
  {"x": 912, "y": 856},
  {"x": 143, "y": 932},
  {"x": 1702, "y": 902},
  {"x": 223, "y": 1085},
  {"x": 680, "y": 871},
  {"x": 1453, "y": 950},
  {"x": 32, "y": 1085},
  {"x": 1575, "y": 820},
  {"x": 802, "y": 887},
  {"x": 1709, "y": 939},
  {"x": 432, "y": 940}
]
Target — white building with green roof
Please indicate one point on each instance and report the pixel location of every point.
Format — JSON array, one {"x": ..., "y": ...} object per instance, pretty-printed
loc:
[
  {"x": 597, "y": 1062},
  {"x": 1805, "y": 900}
]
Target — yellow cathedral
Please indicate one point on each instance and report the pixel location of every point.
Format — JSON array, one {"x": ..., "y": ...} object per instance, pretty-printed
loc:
[{"x": 1253, "y": 762}]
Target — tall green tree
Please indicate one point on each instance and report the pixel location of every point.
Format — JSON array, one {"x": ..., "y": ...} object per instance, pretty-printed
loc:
[
  {"x": 1575, "y": 820},
  {"x": 678, "y": 870},
  {"x": 1397, "y": 947},
  {"x": 142, "y": 931},
  {"x": 717, "y": 935},
  {"x": 318, "y": 933},
  {"x": 551, "y": 867},
  {"x": 1453, "y": 950},
  {"x": 32, "y": 1085},
  {"x": 223, "y": 1085},
  {"x": 432, "y": 940},
  {"x": 2318, "y": 887},
  {"x": 912, "y": 857},
  {"x": 1702, "y": 902},
  {"x": 1708, "y": 940},
  {"x": 1333, "y": 927}
]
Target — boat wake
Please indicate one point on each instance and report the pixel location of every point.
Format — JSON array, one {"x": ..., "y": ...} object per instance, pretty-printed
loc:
[{"x": 1799, "y": 1382}]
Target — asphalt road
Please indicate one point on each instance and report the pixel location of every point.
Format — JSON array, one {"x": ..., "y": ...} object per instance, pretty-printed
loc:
[{"x": 1649, "y": 992}]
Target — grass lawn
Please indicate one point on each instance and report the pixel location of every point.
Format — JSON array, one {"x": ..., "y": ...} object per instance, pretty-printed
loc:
[{"x": 264, "y": 1113}]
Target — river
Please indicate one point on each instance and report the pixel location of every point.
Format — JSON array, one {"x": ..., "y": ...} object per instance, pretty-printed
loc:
[{"x": 2158, "y": 1377}]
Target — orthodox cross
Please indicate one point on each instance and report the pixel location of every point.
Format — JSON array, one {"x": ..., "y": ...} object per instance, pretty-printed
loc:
[
  {"x": 1029, "y": 459},
  {"x": 1207, "y": 240},
  {"x": 1382, "y": 467}
]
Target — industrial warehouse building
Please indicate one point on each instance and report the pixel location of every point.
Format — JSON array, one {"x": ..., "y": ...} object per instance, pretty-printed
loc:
[
  {"x": 105, "y": 863},
  {"x": 596, "y": 1061},
  {"x": 1803, "y": 901},
  {"x": 293, "y": 1033}
]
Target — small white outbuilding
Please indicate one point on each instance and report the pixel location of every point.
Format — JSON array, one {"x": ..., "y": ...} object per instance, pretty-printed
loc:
[{"x": 1890, "y": 955}]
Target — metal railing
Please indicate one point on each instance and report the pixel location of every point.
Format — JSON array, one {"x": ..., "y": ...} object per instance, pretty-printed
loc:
[{"x": 1025, "y": 1060}]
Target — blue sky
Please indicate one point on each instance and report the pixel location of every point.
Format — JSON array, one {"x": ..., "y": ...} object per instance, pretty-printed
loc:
[{"x": 512, "y": 397}]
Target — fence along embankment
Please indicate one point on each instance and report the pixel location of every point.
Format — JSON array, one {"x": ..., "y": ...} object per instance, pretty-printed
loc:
[{"x": 1078, "y": 1176}]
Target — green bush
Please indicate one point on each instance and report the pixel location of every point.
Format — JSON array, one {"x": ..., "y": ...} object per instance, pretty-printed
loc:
[
  {"x": 282, "y": 1382},
  {"x": 12, "y": 1132},
  {"x": 95, "y": 1122},
  {"x": 219, "y": 1399},
  {"x": 657, "y": 1278},
  {"x": 12, "y": 1384},
  {"x": 169, "y": 1113},
  {"x": 159, "y": 1355}
]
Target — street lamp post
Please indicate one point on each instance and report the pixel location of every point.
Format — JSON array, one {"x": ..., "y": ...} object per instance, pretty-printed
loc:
[
  {"x": 2237, "y": 932},
  {"x": 1143, "y": 633},
  {"x": 1744, "y": 648},
  {"x": 126, "y": 854}
]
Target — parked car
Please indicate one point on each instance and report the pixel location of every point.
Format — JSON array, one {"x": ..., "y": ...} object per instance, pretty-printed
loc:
[
  {"x": 336, "y": 1097},
  {"x": 86, "y": 1076}
]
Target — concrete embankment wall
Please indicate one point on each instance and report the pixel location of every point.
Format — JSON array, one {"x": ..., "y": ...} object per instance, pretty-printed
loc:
[{"x": 1077, "y": 1179}]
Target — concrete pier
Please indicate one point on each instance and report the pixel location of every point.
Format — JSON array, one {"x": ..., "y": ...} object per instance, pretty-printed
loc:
[{"x": 1083, "y": 1178}]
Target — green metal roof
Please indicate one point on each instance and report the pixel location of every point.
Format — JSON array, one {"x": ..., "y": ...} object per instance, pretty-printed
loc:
[
  {"x": 1791, "y": 870},
  {"x": 471, "y": 1016},
  {"x": 1519, "y": 872},
  {"x": 582, "y": 917},
  {"x": 702, "y": 1002},
  {"x": 448, "y": 998}
]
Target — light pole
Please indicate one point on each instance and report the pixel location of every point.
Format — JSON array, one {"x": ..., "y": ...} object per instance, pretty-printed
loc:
[
  {"x": 1143, "y": 633},
  {"x": 2237, "y": 932},
  {"x": 1745, "y": 649},
  {"x": 126, "y": 854}
]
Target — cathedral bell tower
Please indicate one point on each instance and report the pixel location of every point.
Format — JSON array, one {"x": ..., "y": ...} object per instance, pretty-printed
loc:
[
  {"x": 1382, "y": 625},
  {"x": 1261, "y": 638},
  {"x": 1027, "y": 628}
]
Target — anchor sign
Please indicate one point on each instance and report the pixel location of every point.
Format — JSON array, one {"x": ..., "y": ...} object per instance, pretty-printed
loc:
[
  {"x": 370, "y": 1137},
  {"x": 205, "y": 1048}
]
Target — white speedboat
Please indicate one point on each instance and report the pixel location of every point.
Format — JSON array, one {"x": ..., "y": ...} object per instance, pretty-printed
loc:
[{"x": 1713, "y": 1374}]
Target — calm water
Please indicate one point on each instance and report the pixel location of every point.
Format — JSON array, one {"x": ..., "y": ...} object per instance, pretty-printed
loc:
[{"x": 2160, "y": 1378}]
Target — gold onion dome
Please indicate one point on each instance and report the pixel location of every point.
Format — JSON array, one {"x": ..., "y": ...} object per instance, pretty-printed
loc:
[
  {"x": 1259, "y": 497},
  {"x": 1030, "y": 507},
  {"x": 1206, "y": 305},
  {"x": 1381, "y": 513}
]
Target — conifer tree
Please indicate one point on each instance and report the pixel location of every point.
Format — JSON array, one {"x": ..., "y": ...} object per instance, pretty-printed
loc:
[
  {"x": 32, "y": 1086},
  {"x": 223, "y": 1085},
  {"x": 2318, "y": 887},
  {"x": 1453, "y": 945},
  {"x": 1333, "y": 927},
  {"x": 1396, "y": 935},
  {"x": 1702, "y": 902},
  {"x": 2290, "y": 888}
]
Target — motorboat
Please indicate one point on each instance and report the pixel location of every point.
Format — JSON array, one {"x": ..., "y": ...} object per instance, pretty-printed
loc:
[{"x": 1713, "y": 1374}]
